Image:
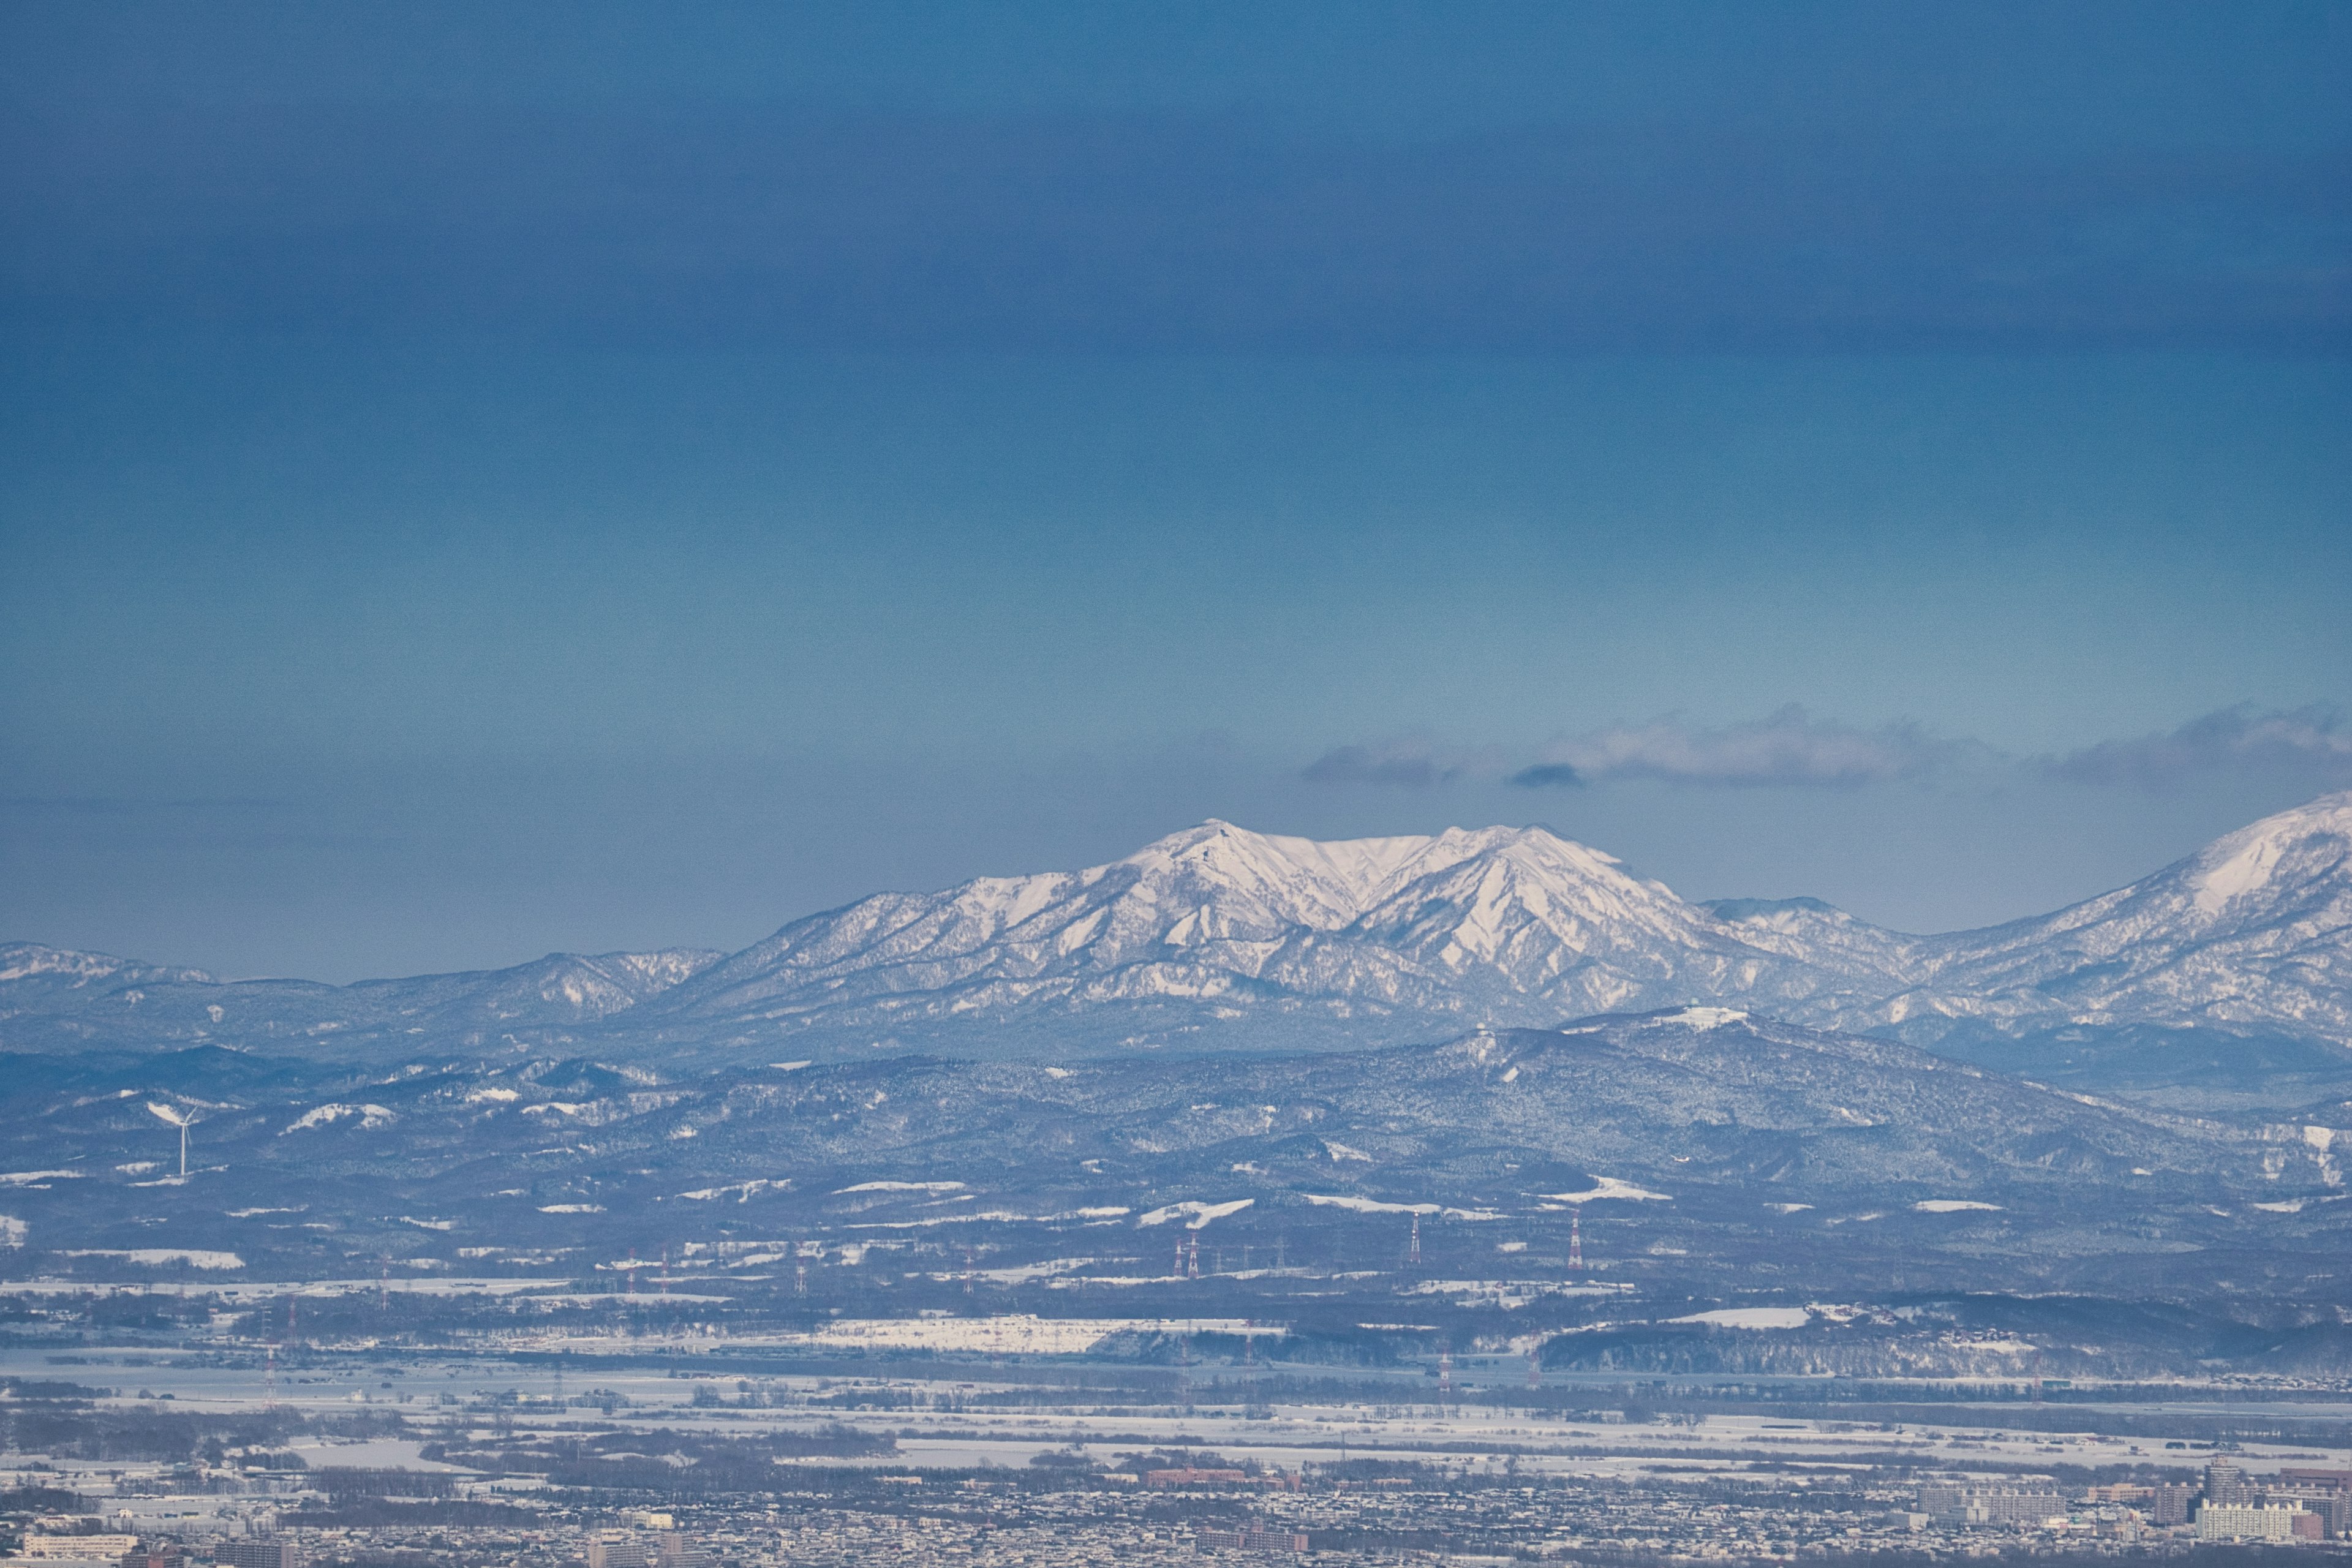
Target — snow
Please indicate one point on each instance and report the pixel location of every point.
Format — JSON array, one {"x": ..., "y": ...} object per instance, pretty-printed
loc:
[
  {"x": 1953, "y": 1205},
  {"x": 375, "y": 1453},
  {"x": 1363, "y": 867},
  {"x": 26, "y": 1178},
  {"x": 371, "y": 1117},
  {"x": 902, "y": 1187},
  {"x": 1496, "y": 926},
  {"x": 2249, "y": 868},
  {"x": 1339, "y": 1152},
  {"x": 743, "y": 1192},
  {"x": 1609, "y": 1187},
  {"x": 157, "y": 1256},
  {"x": 1506, "y": 1295},
  {"x": 1200, "y": 1213},
  {"x": 1750, "y": 1318},
  {"x": 1367, "y": 1205},
  {"x": 2296, "y": 1205},
  {"x": 571, "y": 1209},
  {"x": 1403, "y": 922},
  {"x": 1373, "y": 1206},
  {"x": 1013, "y": 1334}
]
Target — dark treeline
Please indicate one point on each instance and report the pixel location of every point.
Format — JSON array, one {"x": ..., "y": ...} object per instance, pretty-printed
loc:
[
  {"x": 660, "y": 1461},
  {"x": 160, "y": 1433}
]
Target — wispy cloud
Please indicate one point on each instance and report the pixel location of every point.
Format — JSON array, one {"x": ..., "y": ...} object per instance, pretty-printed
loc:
[
  {"x": 1386, "y": 764},
  {"x": 2243, "y": 737},
  {"x": 1414, "y": 762},
  {"x": 1795, "y": 749},
  {"x": 1790, "y": 747}
]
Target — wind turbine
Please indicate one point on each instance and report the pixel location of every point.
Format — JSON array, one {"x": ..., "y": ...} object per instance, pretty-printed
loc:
[{"x": 180, "y": 1119}]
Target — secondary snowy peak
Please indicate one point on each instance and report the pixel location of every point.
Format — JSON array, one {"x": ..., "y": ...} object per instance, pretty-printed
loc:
[
  {"x": 1866, "y": 955},
  {"x": 98, "y": 1000},
  {"x": 31, "y": 962},
  {"x": 567, "y": 987},
  {"x": 1521, "y": 898},
  {"x": 2252, "y": 931},
  {"x": 1535, "y": 927},
  {"x": 2297, "y": 858}
]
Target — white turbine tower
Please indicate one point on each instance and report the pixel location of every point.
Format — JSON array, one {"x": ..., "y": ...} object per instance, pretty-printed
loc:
[{"x": 180, "y": 1119}]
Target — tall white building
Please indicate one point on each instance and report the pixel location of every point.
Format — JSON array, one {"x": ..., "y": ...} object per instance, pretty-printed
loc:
[{"x": 2236, "y": 1521}]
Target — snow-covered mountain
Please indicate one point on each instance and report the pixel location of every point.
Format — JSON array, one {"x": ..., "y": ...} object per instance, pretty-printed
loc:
[
  {"x": 52, "y": 998},
  {"x": 1220, "y": 938},
  {"x": 1217, "y": 924},
  {"x": 2252, "y": 932},
  {"x": 1221, "y": 932}
]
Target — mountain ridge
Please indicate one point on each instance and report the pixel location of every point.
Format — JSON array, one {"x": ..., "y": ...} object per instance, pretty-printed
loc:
[{"x": 1217, "y": 937}]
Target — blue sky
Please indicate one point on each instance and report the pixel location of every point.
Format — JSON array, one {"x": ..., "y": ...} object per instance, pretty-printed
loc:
[{"x": 589, "y": 477}]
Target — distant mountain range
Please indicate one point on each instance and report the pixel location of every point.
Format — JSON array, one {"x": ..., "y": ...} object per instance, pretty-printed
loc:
[
  {"x": 1217, "y": 937},
  {"x": 1083, "y": 1067}
]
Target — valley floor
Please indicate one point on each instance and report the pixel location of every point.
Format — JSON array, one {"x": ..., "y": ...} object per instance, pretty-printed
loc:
[{"x": 372, "y": 1452}]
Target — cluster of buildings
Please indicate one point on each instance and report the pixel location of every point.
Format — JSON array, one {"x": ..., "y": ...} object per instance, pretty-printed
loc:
[
  {"x": 2296, "y": 1505},
  {"x": 131, "y": 1552},
  {"x": 650, "y": 1539},
  {"x": 2232, "y": 1505},
  {"x": 1214, "y": 1512}
]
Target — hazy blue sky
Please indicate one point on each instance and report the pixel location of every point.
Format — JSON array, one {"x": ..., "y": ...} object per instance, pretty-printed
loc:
[{"x": 587, "y": 477}]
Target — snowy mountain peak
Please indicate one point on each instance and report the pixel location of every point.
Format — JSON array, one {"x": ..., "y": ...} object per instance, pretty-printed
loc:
[
  {"x": 65, "y": 965},
  {"x": 1507, "y": 883},
  {"x": 2252, "y": 931},
  {"x": 2291, "y": 848},
  {"x": 1318, "y": 884},
  {"x": 590, "y": 985}
]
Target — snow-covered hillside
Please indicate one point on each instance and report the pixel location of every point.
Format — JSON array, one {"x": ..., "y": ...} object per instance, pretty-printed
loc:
[
  {"x": 51, "y": 999},
  {"x": 2254, "y": 930}
]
